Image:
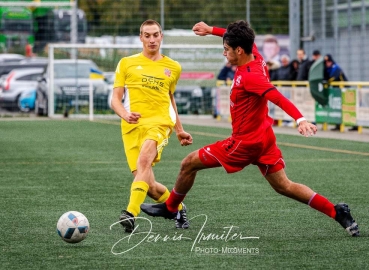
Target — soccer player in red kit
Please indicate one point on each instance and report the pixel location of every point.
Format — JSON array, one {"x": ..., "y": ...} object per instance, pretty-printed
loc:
[{"x": 252, "y": 140}]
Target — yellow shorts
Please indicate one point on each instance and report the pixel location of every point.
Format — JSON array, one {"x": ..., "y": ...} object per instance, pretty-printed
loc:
[{"x": 134, "y": 140}]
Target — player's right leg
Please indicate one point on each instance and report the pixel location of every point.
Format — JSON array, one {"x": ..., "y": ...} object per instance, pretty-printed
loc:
[{"x": 140, "y": 157}]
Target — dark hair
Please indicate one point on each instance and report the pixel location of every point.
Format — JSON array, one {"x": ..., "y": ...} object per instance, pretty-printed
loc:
[
  {"x": 240, "y": 34},
  {"x": 316, "y": 52},
  {"x": 329, "y": 57}
]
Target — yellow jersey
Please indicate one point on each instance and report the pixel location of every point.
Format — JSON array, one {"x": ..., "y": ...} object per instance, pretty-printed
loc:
[{"x": 147, "y": 86}]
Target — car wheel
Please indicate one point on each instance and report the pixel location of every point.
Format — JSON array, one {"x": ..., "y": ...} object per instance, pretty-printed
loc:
[
  {"x": 38, "y": 110},
  {"x": 20, "y": 107}
]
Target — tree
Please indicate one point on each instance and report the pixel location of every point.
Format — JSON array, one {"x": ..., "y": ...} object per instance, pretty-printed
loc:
[{"x": 112, "y": 17}]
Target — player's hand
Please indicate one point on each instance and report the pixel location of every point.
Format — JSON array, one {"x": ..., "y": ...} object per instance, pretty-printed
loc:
[
  {"x": 184, "y": 138},
  {"x": 307, "y": 129},
  {"x": 132, "y": 117},
  {"x": 202, "y": 29}
]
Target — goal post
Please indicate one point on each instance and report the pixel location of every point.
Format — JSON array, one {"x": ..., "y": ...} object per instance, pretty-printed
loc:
[{"x": 70, "y": 94}]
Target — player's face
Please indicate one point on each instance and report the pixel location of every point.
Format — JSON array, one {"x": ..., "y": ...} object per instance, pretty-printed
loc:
[
  {"x": 151, "y": 38},
  {"x": 230, "y": 54},
  {"x": 270, "y": 50}
]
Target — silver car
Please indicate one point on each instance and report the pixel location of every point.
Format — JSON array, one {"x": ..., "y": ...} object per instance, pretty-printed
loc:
[
  {"x": 11, "y": 57},
  {"x": 71, "y": 87},
  {"x": 15, "y": 83}
]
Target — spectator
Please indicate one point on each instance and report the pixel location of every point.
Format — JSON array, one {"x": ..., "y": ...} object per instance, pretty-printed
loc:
[
  {"x": 304, "y": 64},
  {"x": 273, "y": 66},
  {"x": 28, "y": 50},
  {"x": 294, "y": 69},
  {"x": 231, "y": 73},
  {"x": 222, "y": 76},
  {"x": 284, "y": 72},
  {"x": 315, "y": 56},
  {"x": 333, "y": 72},
  {"x": 271, "y": 49}
]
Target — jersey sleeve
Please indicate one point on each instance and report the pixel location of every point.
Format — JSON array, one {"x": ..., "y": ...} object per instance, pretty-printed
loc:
[
  {"x": 281, "y": 101},
  {"x": 177, "y": 75},
  {"x": 120, "y": 73},
  {"x": 217, "y": 31},
  {"x": 260, "y": 85}
]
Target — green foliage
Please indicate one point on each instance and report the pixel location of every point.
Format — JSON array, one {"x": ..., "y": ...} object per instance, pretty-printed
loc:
[{"x": 120, "y": 18}]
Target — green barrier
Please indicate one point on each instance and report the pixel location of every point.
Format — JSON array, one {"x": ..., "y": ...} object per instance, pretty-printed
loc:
[
  {"x": 332, "y": 112},
  {"x": 316, "y": 76}
]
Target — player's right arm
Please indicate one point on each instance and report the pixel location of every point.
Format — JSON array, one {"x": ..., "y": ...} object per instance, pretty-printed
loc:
[
  {"x": 118, "y": 94},
  {"x": 203, "y": 29},
  {"x": 118, "y": 108}
]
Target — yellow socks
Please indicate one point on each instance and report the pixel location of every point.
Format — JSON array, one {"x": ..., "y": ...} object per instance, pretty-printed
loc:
[
  {"x": 164, "y": 197},
  {"x": 138, "y": 194}
]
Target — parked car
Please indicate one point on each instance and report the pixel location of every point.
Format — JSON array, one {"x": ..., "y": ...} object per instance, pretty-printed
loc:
[
  {"x": 15, "y": 83},
  {"x": 30, "y": 60},
  {"x": 71, "y": 87},
  {"x": 6, "y": 67},
  {"x": 189, "y": 99},
  {"x": 109, "y": 78},
  {"x": 27, "y": 100},
  {"x": 11, "y": 57}
]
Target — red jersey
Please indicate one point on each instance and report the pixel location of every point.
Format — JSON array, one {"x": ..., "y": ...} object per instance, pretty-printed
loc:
[{"x": 250, "y": 92}]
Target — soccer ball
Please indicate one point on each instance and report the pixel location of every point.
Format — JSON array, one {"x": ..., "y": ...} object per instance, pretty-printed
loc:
[{"x": 73, "y": 227}]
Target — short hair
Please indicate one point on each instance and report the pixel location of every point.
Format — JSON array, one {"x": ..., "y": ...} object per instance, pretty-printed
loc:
[
  {"x": 328, "y": 57},
  {"x": 270, "y": 38},
  {"x": 316, "y": 52},
  {"x": 240, "y": 34},
  {"x": 150, "y": 22},
  {"x": 285, "y": 56}
]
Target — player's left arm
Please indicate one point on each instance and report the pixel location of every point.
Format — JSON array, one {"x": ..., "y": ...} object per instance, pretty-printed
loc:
[
  {"x": 304, "y": 127},
  {"x": 184, "y": 137}
]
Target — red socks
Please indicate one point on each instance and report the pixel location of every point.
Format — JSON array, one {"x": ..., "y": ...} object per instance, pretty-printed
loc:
[
  {"x": 323, "y": 205},
  {"x": 174, "y": 200}
]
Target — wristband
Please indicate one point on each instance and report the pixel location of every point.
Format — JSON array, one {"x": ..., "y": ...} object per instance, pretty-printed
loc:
[{"x": 298, "y": 121}]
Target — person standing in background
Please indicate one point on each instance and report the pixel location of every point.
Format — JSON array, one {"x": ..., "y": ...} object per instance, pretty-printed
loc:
[
  {"x": 334, "y": 73},
  {"x": 304, "y": 65},
  {"x": 28, "y": 50}
]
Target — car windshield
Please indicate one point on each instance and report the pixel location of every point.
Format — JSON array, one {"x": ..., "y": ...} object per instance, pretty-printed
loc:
[
  {"x": 110, "y": 78},
  {"x": 72, "y": 70}
]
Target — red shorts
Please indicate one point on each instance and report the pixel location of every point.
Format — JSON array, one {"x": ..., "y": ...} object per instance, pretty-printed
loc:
[{"x": 235, "y": 154}]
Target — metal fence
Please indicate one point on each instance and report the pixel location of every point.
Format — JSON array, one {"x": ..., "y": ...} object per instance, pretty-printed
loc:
[{"x": 340, "y": 28}]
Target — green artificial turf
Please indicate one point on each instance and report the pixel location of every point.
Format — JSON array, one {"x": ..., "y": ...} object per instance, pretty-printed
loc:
[{"x": 49, "y": 167}]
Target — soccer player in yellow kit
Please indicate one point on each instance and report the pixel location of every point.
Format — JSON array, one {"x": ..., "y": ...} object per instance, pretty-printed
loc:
[{"x": 147, "y": 82}]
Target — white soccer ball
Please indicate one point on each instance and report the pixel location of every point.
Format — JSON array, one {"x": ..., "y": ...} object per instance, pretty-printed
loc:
[{"x": 73, "y": 227}]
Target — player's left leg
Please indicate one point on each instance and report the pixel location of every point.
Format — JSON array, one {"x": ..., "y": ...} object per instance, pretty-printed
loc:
[{"x": 340, "y": 212}]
